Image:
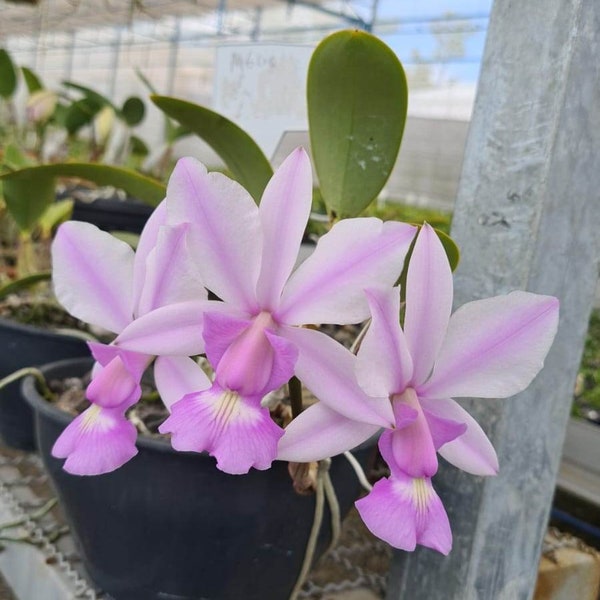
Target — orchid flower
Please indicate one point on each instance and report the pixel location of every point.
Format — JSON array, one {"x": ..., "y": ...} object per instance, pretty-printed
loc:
[
  {"x": 99, "y": 280},
  {"x": 253, "y": 337},
  {"x": 490, "y": 348}
]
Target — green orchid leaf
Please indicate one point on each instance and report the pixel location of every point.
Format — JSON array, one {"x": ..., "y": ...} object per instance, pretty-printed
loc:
[
  {"x": 23, "y": 283},
  {"x": 139, "y": 146},
  {"x": 28, "y": 192},
  {"x": 57, "y": 213},
  {"x": 133, "y": 111},
  {"x": 91, "y": 94},
  {"x": 452, "y": 252},
  {"x": 80, "y": 113},
  {"x": 236, "y": 148},
  {"x": 32, "y": 81},
  {"x": 60, "y": 115},
  {"x": 147, "y": 83},
  {"x": 357, "y": 99},
  {"x": 8, "y": 75},
  {"x": 27, "y": 198},
  {"x": 15, "y": 158}
]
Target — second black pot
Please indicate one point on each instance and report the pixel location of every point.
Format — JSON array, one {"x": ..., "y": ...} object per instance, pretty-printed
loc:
[{"x": 26, "y": 346}]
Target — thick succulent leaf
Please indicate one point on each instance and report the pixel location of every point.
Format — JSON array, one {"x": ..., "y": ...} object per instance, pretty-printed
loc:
[
  {"x": 28, "y": 192},
  {"x": 80, "y": 113},
  {"x": 60, "y": 114},
  {"x": 91, "y": 94},
  {"x": 133, "y": 111},
  {"x": 8, "y": 75},
  {"x": 32, "y": 81},
  {"x": 27, "y": 197},
  {"x": 452, "y": 252},
  {"x": 238, "y": 150},
  {"x": 357, "y": 100},
  {"x": 15, "y": 158},
  {"x": 138, "y": 146}
]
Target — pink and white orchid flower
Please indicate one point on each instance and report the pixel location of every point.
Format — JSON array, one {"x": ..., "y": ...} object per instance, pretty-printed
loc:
[
  {"x": 490, "y": 348},
  {"x": 253, "y": 337},
  {"x": 99, "y": 280}
]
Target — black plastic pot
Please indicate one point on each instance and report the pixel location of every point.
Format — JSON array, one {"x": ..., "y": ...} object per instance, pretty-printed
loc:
[
  {"x": 113, "y": 215},
  {"x": 169, "y": 525},
  {"x": 25, "y": 346}
]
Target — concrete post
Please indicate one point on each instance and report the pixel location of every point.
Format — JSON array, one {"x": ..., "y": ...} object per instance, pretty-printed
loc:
[{"x": 527, "y": 216}]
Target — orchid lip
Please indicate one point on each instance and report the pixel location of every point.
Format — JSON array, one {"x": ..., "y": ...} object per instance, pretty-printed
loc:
[
  {"x": 91, "y": 416},
  {"x": 420, "y": 494},
  {"x": 226, "y": 408}
]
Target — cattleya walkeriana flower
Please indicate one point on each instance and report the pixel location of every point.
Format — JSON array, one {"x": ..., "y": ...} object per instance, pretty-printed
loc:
[
  {"x": 490, "y": 348},
  {"x": 98, "y": 279},
  {"x": 246, "y": 254}
]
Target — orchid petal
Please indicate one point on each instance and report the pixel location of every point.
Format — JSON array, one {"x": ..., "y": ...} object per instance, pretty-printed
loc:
[
  {"x": 103, "y": 353},
  {"x": 356, "y": 254},
  {"x": 116, "y": 376},
  {"x": 443, "y": 430},
  {"x": 494, "y": 347},
  {"x": 472, "y": 451},
  {"x": 405, "y": 415},
  {"x": 175, "y": 330},
  {"x": 327, "y": 369},
  {"x": 319, "y": 432},
  {"x": 98, "y": 441},
  {"x": 146, "y": 243},
  {"x": 257, "y": 361},
  {"x": 92, "y": 273},
  {"x": 220, "y": 330},
  {"x": 171, "y": 275},
  {"x": 178, "y": 376},
  {"x": 225, "y": 235},
  {"x": 405, "y": 512},
  {"x": 384, "y": 365},
  {"x": 114, "y": 386},
  {"x": 135, "y": 362},
  {"x": 285, "y": 357},
  {"x": 235, "y": 430},
  {"x": 428, "y": 302},
  {"x": 409, "y": 449},
  {"x": 284, "y": 210}
]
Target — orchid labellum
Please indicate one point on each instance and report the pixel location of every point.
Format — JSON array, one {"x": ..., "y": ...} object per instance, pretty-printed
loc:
[{"x": 490, "y": 348}]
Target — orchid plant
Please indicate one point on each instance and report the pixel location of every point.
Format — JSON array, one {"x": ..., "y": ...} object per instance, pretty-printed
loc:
[
  {"x": 216, "y": 273},
  {"x": 209, "y": 236}
]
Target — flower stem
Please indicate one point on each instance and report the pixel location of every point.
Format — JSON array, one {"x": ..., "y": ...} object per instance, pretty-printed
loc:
[
  {"x": 295, "y": 389},
  {"x": 26, "y": 258}
]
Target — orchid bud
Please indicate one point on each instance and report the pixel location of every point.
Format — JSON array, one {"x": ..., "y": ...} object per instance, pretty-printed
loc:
[
  {"x": 40, "y": 106},
  {"x": 103, "y": 124}
]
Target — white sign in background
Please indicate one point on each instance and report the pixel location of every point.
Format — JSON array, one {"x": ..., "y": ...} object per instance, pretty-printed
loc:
[{"x": 262, "y": 88}]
